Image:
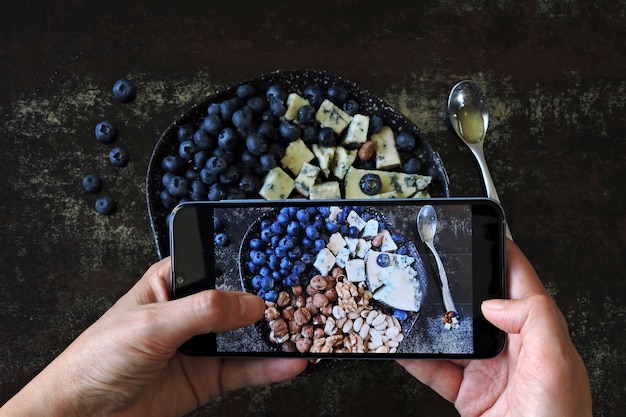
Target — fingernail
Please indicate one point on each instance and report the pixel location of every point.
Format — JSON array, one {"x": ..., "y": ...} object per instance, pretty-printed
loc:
[
  {"x": 249, "y": 306},
  {"x": 496, "y": 304}
]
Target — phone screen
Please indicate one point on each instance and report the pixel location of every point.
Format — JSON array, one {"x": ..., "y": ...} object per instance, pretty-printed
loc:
[{"x": 377, "y": 278}]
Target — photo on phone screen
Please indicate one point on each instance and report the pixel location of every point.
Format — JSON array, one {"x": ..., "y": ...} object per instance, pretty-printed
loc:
[{"x": 347, "y": 278}]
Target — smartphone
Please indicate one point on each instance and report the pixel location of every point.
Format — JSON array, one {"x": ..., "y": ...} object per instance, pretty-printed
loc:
[{"x": 375, "y": 278}]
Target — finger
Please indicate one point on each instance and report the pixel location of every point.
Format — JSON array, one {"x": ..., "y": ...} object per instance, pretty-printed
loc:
[
  {"x": 239, "y": 373},
  {"x": 205, "y": 312},
  {"x": 153, "y": 287},
  {"x": 444, "y": 377},
  {"x": 522, "y": 277}
]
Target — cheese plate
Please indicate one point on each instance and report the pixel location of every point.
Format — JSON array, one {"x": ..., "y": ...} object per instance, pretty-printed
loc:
[{"x": 323, "y": 176}]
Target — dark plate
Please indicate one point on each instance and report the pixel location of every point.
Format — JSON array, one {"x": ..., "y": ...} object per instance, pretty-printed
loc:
[
  {"x": 293, "y": 81},
  {"x": 246, "y": 276}
]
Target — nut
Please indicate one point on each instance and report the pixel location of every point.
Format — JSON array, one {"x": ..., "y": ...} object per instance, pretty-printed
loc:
[
  {"x": 320, "y": 300},
  {"x": 279, "y": 327},
  {"x": 283, "y": 299},
  {"x": 288, "y": 346},
  {"x": 302, "y": 316},
  {"x": 298, "y": 301},
  {"x": 318, "y": 333},
  {"x": 318, "y": 283},
  {"x": 310, "y": 305},
  {"x": 303, "y": 345},
  {"x": 319, "y": 320},
  {"x": 367, "y": 150},
  {"x": 307, "y": 331},
  {"x": 271, "y": 313},
  {"x": 296, "y": 290},
  {"x": 337, "y": 272},
  {"x": 287, "y": 313},
  {"x": 310, "y": 290},
  {"x": 331, "y": 294},
  {"x": 378, "y": 240},
  {"x": 327, "y": 310}
]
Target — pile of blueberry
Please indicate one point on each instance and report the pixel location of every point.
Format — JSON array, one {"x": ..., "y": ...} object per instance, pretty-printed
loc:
[
  {"x": 106, "y": 132},
  {"x": 228, "y": 153}
]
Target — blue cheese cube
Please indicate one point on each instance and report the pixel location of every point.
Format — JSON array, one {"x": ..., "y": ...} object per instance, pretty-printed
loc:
[
  {"x": 324, "y": 157},
  {"x": 277, "y": 185},
  {"x": 306, "y": 178},
  {"x": 357, "y": 131},
  {"x": 355, "y": 270},
  {"x": 342, "y": 161},
  {"x": 325, "y": 191},
  {"x": 387, "y": 156},
  {"x": 388, "y": 244},
  {"x": 294, "y": 102},
  {"x": 296, "y": 155},
  {"x": 354, "y": 220},
  {"x": 370, "y": 230},
  {"x": 352, "y": 244},
  {"x": 362, "y": 248},
  {"x": 342, "y": 258},
  {"x": 335, "y": 243},
  {"x": 332, "y": 116},
  {"x": 324, "y": 261}
]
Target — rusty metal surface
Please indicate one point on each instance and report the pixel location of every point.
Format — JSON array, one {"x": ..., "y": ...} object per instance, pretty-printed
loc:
[{"x": 554, "y": 73}]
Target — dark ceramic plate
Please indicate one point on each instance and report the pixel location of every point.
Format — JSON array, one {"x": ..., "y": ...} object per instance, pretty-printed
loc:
[
  {"x": 246, "y": 276},
  {"x": 293, "y": 81}
]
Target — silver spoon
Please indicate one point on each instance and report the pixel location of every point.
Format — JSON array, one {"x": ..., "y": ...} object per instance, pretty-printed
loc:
[
  {"x": 427, "y": 227},
  {"x": 469, "y": 115}
]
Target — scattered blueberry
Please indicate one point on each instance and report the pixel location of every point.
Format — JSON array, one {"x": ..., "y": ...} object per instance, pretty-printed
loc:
[
  {"x": 370, "y": 184},
  {"x": 106, "y": 132},
  {"x": 124, "y": 90},
  {"x": 405, "y": 142},
  {"x": 401, "y": 315},
  {"x": 105, "y": 205},
  {"x": 92, "y": 183},
  {"x": 118, "y": 157},
  {"x": 412, "y": 166},
  {"x": 222, "y": 239}
]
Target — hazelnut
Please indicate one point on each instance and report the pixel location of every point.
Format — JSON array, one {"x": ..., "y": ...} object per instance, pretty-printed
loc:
[
  {"x": 288, "y": 346},
  {"x": 318, "y": 333},
  {"x": 310, "y": 290},
  {"x": 331, "y": 294},
  {"x": 320, "y": 300},
  {"x": 283, "y": 299},
  {"x": 367, "y": 150},
  {"x": 307, "y": 331},
  {"x": 319, "y": 320},
  {"x": 303, "y": 345},
  {"x": 296, "y": 290},
  {"x": 271, "y": 313},
  {"x": 298, "y": 301},
  {"x": 279, "y": 327},
  {"x": 336, "y": 272},
  {"x": 327, "y": 310},
  {"x": 310, "y": 305},
  {"x": 287, "y": 313},
  {"x": 318, "y": 283},
  {"x": 302, "y": 316},
  {"x": 378, "y": 240},
  {"x": 294, "y": 328}
]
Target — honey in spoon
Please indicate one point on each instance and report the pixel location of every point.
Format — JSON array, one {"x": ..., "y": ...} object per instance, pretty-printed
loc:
[{"x": 471, "y": 124}]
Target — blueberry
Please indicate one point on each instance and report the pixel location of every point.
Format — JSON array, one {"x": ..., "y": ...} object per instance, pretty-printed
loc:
[
  {"x": 314, "y": 94},
  {"x": 306, "y": 115},
  {"x": 267, "y": 162},
  {"x": 245, "y": 90},
  {"x": 257, "y": 244},
  {"x": 212, "y": 124},
  {"x": 249, "y": 160},
  {"x": 228, "y": 139},
  {"x": 303, "y": 216},
  {"x": 276, "y": 150},
  {"x": 228, "y": 155},
  {"x": 319, "y": 245},
  {"x": 294, "y": 253},
  {"x": 174, "y": 165},
  {"x": 178, "y": 186},
  {"x": 286, "y": 242},
  {"x": 199, "y": 190},
  {"x": 243, "y": 119},
  {"x": 118, "y": 157},
  {"x": 337, "y": 93},
  {"x": 167, "y": 199},
  {"x": 332, "y": 227},
  {"x": 289, "y": 131},
  {"x": 310, "y": 134},
  {"x": 202, "y": 139},
  {"x": 214, "y": 109},
  {"x": 249, "y": 184},
  {"x": 228, "y": 108},
  {"x": 257, "y": 104},
  {"x": 256, "y": 282},
  {"x": 376, "y": 123},
  {"x": 267, "y": 282},
  {"x": 217, "y": 192},
  {"x": 405, "y": 141},
  {"x": 277, "y": 107},
  {"x": 185, "y": 132},
  {"x": 105, "y": 205},
  {"x": 351, "y": 107},
  {"x": 401, "y": 315},
  {"x": 286, "y": 264},
  {"x": 200, "y": 159},
  {"x": 412, "y": 166},
  {"x": 383, "y": 260},
  {"x": 271, "y": 296},
  {"x": 124, "y": 90},
  {"x": 327, "y": 137},
  {"x": 230, "y": 176},
  {"x": 235, "y": 193},
  {"x": 370, "y": 184},
  {"x": 207, "y": 177},
  {"x": 353, "y": 232},
  {"x": 222, "y": 239},
  {"x": 216, "y": 165},
  {"x": 106, "y": 132},
  {"x": 256, "y": 144},
  {"x": 92, "y": 183},
  {"x": 187, "y": 149},
  {"x": 276, "y": 91},
  {"x": 293, "y": 280},
  {"x": 266, "y": 129}
]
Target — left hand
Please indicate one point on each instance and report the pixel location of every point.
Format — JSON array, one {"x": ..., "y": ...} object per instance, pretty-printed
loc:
[{"x": 127, "y": 362}]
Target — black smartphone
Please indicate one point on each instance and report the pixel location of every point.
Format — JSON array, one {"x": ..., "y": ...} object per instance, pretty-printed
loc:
[{"x": 376, "y": 278}]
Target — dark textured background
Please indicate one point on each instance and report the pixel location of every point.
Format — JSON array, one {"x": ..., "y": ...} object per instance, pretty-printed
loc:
[{"x": 555, "y": 74}]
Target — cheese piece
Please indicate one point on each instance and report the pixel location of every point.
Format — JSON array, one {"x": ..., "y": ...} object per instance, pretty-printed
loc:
[
  {"x": 324, "y": 261},
  {"x": 324, "y": 157},
  {"x": 342, "y": 161},
  {"x": 377, "y": 276},
  {"x": 325, "y": 191},
  {"x": 294, "y": 102},
  {"x": 362, "y": 248},
  {"x": 332, "y": 116},
  {"x": 296, "y": 155},
  {"x": 403, "y": 294},
  {"x": 277, "y": 185},
  {"x": 355, "y": 220},
  {"x": 393, "y": 184},
  {"x": 335, "y": 243},
  {"x": 370, "y": 230},
  {"x": 355, "y": 270},
  {"x": 342, "y": 257},
  {"x": 387, "y": 156},
  {"x": 357, "y": 131},
  {"x": 388, "y": 244},
  {"x": 306, "y": 178},
  {"x": 352, "y": 244}
]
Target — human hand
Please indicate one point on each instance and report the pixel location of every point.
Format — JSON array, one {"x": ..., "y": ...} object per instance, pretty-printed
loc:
[
  {"x": 127, "y": 362},
  {"x": 539, "y": 373}
]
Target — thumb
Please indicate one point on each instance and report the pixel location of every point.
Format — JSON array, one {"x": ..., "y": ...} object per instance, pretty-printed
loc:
[
  {"x": 537, "y": 313},
  {"x": 209, "y": 311}
]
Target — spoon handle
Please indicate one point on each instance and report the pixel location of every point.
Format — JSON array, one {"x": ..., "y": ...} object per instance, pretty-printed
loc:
[
  {"x": 445, "y": 289},
  {"x": 489, "y": 185}
]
